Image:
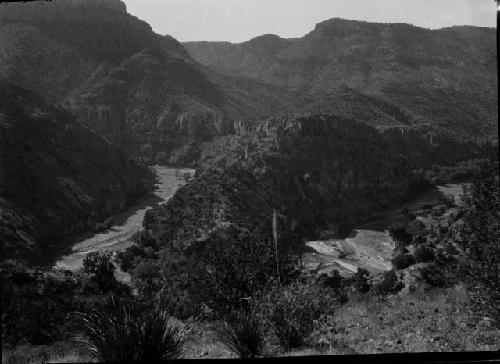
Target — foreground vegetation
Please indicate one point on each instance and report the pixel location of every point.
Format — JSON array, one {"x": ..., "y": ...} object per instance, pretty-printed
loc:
[{"x": 252, "y": 298}]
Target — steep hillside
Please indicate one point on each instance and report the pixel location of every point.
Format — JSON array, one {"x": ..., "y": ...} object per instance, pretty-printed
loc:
[
  {"x": 153, "y": 102},
  {"x": 160, "y": 108},
  {"x": 139, "y": 89},
  {"x": 57, "y": 178},
  {"x": 317, "y": 171},
  {"x": 447, "y": 78},
  {"x": 52, "y": 48}
]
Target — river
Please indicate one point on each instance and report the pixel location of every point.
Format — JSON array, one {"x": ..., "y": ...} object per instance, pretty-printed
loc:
[
  {"x": 128, "y": 222},
  {"x": 370, "y": 245}
]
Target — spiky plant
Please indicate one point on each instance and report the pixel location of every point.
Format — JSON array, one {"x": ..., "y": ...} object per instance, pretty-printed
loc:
[
  {"x": 125, "y": 331},
  {"x": 244, "y": 334}
]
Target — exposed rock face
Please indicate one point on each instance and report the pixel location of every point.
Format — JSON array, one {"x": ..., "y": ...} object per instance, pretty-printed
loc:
[
  {"x": 57, "y": 178},
  {"x": 446, "y": 78}
]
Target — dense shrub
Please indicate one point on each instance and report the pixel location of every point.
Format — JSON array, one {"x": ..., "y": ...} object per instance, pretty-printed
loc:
[
  {"x": 35, "y": 304},
  {"x": 126, "y": 258},
  {"x": 101, "y": 269},
  {"x": 333, "y": 280},
  {"x": 399, "y": 233},
  {"x": 402, "y": 261},
  {"x": 227, "y": 270},
  {"x": 434, "y": 275},
  {"x": 295, "y": 308},
  {"x": 124, "y": 330},
  {"x": 147, "y": 270},
  {"x": 388, "y": 285},
  {"x": 424, "y": 254}
]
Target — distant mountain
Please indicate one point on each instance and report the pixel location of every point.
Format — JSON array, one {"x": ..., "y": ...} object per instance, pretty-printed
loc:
[
  {"x": 139, "y": 89},
  {"x": 57, "y": 178},
  {"x": 445, "y": 79}
]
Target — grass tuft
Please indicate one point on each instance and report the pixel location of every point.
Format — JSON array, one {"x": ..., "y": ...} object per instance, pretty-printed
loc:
[
  {"x": 244, "y": 334},
  {"x": 124, "y": 330}
]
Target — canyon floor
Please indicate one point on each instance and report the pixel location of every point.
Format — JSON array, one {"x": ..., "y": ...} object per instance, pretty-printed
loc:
[{"x": 128, "y": 222}]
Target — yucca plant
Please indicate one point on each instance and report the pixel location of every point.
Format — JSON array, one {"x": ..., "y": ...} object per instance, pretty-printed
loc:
[
  {"x": 244, "y": 334},
  {"x": 124, "y": 330}
]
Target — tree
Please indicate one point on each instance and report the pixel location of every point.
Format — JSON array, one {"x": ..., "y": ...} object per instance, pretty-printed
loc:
[
  {"x": 400, "y": 235},
  {"x": 101, "y": 268},
  {"x": 360, "y": 280}
]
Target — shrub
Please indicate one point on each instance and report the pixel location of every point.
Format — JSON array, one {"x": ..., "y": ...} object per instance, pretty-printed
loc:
[
  {"x": 424, "y": 254},
  {"x": 333, "y": 280},
  {"x": 244, "y": 333},
  {"x": 179, "y": 303},
  {"x": 295, "y": 308},
  {"x": 87, "y": 283},
  {"x": 35, "y": 304},
  {"x": 231, "y": 269},
  {"x": 126, "y": 258},
  {"x": 147, "y": 270},
  {"x": 360, "y": 280},
  {"x": 99, "y": 265},
  {"x": 124, "y": 331},
  {"x": 434, "y": 275},
  {"x": 388, "y": 285},
  {"x": 479, "y": 237},
  {"x": 417, "y": 229},
  {"x": 399, "y": 233},
  {"x": 403, "y": 261}
]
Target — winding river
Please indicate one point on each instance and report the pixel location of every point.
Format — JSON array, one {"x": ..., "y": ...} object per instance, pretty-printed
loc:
[
  {"x": 128, "y": 222},
  {"x": 369, "y": 245}
]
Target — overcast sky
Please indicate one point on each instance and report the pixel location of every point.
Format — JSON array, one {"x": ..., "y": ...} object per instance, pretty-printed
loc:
[{"x": 241, "y": 20}]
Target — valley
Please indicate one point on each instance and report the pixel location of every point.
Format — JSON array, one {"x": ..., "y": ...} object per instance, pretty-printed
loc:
[
  {"x": 334, "y": 193},
  {"x": 118, "y": 237}
]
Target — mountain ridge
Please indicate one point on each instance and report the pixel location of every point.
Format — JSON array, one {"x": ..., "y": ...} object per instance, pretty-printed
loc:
[{"x": 447, "y": 77}]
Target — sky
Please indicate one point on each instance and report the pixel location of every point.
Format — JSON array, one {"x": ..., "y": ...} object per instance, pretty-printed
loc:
[{"x": 240, "y": 20}]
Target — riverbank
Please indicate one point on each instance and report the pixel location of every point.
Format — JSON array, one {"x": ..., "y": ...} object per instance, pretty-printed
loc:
[
  {"x": 128, "y": 222},
  {"x": 370, "y": 246}
]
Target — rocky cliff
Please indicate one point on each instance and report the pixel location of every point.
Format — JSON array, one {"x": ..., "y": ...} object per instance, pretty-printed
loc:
[{"x": 57, "y": 178}]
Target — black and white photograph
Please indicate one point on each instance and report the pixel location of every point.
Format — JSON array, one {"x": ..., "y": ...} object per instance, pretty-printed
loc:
[{"x": 249, "y": 179}]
